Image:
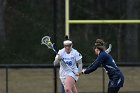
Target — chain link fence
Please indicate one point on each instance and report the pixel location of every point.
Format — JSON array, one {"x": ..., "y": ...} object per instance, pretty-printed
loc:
[{"x": 42, "y": 79}]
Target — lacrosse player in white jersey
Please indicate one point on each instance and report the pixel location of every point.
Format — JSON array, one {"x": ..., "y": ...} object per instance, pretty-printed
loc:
[{"x": 70, "y": 66}]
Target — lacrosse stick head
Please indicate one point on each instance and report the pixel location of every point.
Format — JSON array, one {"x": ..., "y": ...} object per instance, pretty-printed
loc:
[{"x": 46, "y": 41}]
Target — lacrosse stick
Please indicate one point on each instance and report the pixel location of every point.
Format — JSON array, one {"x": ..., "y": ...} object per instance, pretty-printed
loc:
[{"x": 46, "y": 41}]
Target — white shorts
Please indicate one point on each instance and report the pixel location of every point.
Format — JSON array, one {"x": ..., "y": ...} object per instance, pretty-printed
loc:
[{"x": 69, "y": 74}]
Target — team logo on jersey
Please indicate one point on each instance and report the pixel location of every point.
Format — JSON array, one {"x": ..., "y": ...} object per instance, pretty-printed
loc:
[
  {"x": 72, "y": 58},
  {"x": 66, "y": 59}
]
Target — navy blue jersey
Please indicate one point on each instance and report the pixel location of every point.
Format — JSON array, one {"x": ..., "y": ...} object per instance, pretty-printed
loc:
[{"x": 108, "y": 63}]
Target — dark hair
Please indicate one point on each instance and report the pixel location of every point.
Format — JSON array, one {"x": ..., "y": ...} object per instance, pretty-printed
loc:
[
  {"x": 66, "y": 37},
  {"x": 100, "y": 44}
]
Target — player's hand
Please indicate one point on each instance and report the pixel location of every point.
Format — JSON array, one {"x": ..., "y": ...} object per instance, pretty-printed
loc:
[
  {"x": 83, "y": 71},
  {"x": 58, "y": 57},
  {"x": 78, "y": 74}
]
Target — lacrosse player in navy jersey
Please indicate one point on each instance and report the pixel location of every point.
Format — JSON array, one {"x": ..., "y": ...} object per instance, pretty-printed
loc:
[{"x": 116, "y": 78}]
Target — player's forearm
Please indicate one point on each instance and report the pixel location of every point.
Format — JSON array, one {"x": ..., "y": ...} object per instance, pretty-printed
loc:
[
  {"x": 94, "y": 65},
  {"x": 90, "y": 69},
  {"x": 57, "y": 60}
]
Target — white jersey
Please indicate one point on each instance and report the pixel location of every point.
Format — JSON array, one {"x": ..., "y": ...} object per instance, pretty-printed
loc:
[{"x": 69, "y": 59}]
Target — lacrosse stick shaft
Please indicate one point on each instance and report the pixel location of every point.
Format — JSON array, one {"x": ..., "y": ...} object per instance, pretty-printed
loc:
[{"x": 68, "y": 66}]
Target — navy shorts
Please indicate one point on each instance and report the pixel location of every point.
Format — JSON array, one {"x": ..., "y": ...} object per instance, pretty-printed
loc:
[
  {"x": 113, "y": 90},
  {"x": 116, "y": 80}
]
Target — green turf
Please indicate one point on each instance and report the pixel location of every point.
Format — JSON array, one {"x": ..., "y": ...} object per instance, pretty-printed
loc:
[{"x": 42, "y": 80}]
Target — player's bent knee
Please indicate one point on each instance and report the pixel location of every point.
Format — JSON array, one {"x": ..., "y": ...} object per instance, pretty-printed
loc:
[{"x": 67, "y": 90}]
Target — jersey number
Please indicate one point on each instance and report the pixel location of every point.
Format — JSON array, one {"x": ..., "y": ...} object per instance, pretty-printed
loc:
[{"x": 69, "y": 63}]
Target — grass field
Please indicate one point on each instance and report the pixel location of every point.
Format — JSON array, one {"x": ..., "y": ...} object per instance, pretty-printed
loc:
[{"x": 42, "y": 80}]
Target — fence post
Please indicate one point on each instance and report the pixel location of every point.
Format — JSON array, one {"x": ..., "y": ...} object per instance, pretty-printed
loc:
[
  {"x": 7, "y": 79},
  {"x": 103, "y": 79},
  {"x": 55, "y": 32},
  {"x": 55, "y": 80}
]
